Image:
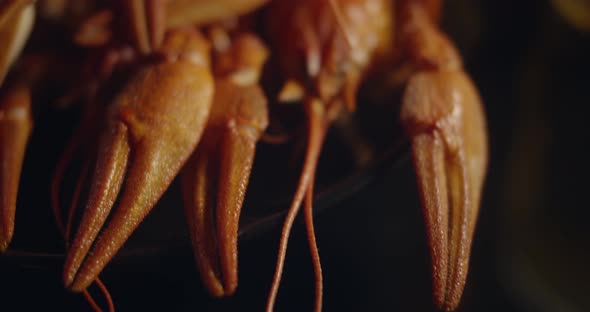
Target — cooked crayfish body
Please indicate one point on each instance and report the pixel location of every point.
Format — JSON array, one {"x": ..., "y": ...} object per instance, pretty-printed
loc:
[
  {"x": 216, "y": 177},
  {"x": 153, "y": 125}
]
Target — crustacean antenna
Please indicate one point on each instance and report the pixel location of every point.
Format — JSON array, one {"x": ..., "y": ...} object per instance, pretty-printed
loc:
[
  {"x": 334, "y": 43},
  {"x": 316, "y": 128}
]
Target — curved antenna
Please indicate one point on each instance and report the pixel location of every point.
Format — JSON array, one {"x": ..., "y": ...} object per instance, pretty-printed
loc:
[{"x": 316, "y": 133}]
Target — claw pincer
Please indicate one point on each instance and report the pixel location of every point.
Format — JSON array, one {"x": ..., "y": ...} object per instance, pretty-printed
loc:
[
  {"x": 443, "y": 116},
  {"x": 153, "y": 126},
  {"x": 16, "y": 124},
  {"x": 214, "y": 180}
]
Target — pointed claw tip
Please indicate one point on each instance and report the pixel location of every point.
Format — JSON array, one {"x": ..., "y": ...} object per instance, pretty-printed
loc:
[
  {"x": 448, "y": 297},
  {"x": 219, "y": 287},
  {"x": 223, "y": 292},
  {"x": 217, "y": 293},
  {"x": 215, "y": 286},
  {"x": 70, "y": 275},
  {"x": 68, "y": 279},
  {"x": 448, "y": 305},
  {"x": 76, "y": 288},
  {"x": 6, "y": 233},
  {"x": 229, "y": 289},
  {"x": 4, "y": 242},
  {"x": 78, "y": 283},
  {"x": 453, "y": 298}
]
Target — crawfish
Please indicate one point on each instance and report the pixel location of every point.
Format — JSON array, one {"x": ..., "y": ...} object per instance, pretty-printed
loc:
[
  {"x": 324, "y": 54},
  {"x": 327, "y": 47},
  {"x": 151, "y": 120},
  {"x": 180, "y": 111}
]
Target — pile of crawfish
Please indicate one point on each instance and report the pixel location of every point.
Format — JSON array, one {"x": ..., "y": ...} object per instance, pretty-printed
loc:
[{"x": 173, "y": 88}]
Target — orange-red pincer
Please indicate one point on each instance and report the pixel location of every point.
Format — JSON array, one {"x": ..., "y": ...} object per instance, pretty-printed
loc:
[
  {"x": 443, "y": 116},
  {"x": 216, "y": 177},
  {"x": 16, "y": 123},
  {"x": 152, "y": 127}
]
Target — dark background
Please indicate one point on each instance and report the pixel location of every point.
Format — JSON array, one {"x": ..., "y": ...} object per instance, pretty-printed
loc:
[{"x": 531, "y": 247}]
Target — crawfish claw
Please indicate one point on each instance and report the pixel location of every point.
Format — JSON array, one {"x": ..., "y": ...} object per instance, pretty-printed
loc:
[
  {"x": 443, "y": 116},
  {"x": 215, "y": 179},
  {"x": 156, "y": 120},
  {"x": 214, "y": 184},
  {"x": 16, "y": 123}
]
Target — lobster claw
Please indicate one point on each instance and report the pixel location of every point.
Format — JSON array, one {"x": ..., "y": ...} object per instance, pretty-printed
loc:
[
  {"x": 214, "y": 180},
  {"x": 16, "y": 23},
  {"x": 153, "y": 126},
  {"x": 443, "y": 116},
  {"x": 16, "y": 123}
]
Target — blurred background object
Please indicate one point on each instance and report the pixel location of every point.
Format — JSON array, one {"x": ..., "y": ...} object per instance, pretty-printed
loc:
[
  {"x": 575, "y": 12},
  {"x": 545, "y": 237}
]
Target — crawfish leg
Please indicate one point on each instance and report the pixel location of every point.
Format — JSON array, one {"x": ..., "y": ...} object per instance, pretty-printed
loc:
[
  {"x": 443, "y": 116},
  {"x": 15, "y": 128}
]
